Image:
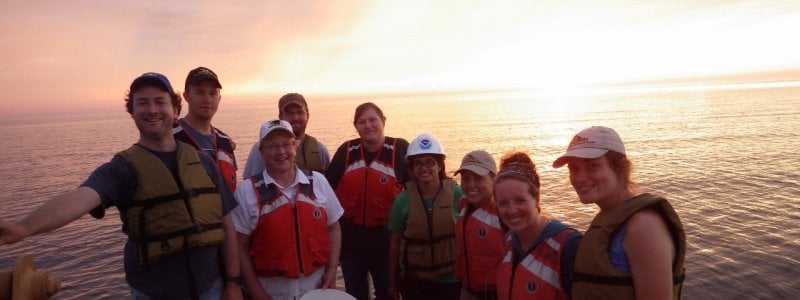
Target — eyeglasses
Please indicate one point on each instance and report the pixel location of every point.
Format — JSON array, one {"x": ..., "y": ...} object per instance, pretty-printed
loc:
[
  {"x": 273, "y": 147},
  {"x": 429, "y": 163}
]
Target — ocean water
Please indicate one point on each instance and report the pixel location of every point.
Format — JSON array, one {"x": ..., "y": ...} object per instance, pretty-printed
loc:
[{"x": 728, "y": 160}]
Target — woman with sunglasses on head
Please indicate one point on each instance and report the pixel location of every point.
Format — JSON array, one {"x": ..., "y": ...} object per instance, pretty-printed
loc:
[
  {"x": 422, "y": 249},
  {"x": 635, "y": 246},
  {"x": 479, "y": 234},
  {"x": 540, "y": 250}
]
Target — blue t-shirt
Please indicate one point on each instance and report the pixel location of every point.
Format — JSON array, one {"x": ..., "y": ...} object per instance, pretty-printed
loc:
[
  {"x": 167, "y": 277},
  {"x": 205, "y": 141},
  {"x": 616, "y": 250}
]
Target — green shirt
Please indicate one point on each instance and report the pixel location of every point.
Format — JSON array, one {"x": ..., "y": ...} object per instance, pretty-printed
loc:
[{"x": 399, "y": 215}]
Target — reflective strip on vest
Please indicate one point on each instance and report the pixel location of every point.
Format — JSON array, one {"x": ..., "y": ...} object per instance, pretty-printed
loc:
[
  {"x": 355, "y": 166},
  {"x": 486, "y": 218},
  {"x": 223, "y": 156},
  {"x": 541, "y": 270}
]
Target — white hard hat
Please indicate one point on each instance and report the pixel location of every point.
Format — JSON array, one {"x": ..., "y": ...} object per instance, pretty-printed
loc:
[{"x": 424, "y": 144}]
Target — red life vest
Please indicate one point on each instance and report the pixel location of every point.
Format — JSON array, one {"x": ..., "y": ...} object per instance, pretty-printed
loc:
[
  {"x": 480, "y": 247},
  {"x": 538, "y": 274},
  {"x": 291, "y": 237},
  {"x": 223, "y": 148},
  {"x": 367, "y": 191}
]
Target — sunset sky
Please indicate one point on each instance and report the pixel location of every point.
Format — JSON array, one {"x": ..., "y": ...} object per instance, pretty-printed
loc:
[{"x": 80, "y": 56}]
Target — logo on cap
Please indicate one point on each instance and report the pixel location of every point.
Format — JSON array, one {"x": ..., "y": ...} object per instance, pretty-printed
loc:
[
  {"x": 205, "y": 71},
  {"x": 425, "y": 144},
  {"x": 579, "y": 140},
  {"x": 471, "y": 159}
]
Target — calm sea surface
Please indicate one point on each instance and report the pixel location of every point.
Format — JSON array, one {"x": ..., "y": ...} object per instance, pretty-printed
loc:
[{"x": 729, "y": 161}]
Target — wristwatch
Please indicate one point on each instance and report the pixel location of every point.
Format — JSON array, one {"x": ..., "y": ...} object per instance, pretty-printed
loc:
[{"x": 236, "y": 279}]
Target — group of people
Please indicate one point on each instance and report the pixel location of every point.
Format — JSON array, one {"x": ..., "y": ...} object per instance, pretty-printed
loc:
[{"x": 382, "y": 208}]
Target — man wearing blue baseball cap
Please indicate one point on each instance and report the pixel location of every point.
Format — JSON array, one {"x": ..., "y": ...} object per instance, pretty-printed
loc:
[{"x": 172, "y": 208}]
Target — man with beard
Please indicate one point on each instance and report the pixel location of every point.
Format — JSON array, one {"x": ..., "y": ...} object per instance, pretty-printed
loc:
[
  {"x": 202, "y": 93},
  {"x": 311, "y": 154}
]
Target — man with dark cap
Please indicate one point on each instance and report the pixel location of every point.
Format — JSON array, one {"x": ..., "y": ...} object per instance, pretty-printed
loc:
[
  {"x": 311, "y": 154},
  {"x": 173, "y": 206},
  {"x": 202, "y": 93}
]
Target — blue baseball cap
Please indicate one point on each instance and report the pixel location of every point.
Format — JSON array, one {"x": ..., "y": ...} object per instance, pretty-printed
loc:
[{"x": 152, "y": 79}]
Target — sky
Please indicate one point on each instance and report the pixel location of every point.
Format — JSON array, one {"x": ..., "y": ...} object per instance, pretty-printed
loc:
[{"x": 80, "y": 56}]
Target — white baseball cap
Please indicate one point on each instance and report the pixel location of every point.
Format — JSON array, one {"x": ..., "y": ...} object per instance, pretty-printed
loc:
[
  {"x": 592, "y": 142},
  {"x": 272, "y": 125}
]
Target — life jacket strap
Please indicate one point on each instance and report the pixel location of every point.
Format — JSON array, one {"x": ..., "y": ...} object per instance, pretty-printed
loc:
[
  {"x": 434, "y": 240},
  {"x": 185, "y": 194},
  {"x": 608, "y": 280}
]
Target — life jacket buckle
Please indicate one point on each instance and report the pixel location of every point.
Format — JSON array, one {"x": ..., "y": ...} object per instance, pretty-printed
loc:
[
  {"x": 188, "y": 194},
  {"x": 165, "y": 245}
]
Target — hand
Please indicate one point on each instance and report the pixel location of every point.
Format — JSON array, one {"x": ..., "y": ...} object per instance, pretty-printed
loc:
[
  {"x": 329, "y": 279},
  {"x": 232, "y": 291}
]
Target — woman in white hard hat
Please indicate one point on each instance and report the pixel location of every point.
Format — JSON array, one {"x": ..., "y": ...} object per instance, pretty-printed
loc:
[
  {"x": 635, "y": 246},
  {"x": 422, "y": 250}
]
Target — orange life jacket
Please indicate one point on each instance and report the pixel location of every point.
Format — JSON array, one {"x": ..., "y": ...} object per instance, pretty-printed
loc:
[
  {"x": 480, "y": 246},
  {"x": 291, "y": 237},
  {"x": 367, "y": 191},
  {"x": 538, "y": 274}
]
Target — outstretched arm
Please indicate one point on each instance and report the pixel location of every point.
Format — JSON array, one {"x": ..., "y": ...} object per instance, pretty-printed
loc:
[{"x": 59, "y": 211}]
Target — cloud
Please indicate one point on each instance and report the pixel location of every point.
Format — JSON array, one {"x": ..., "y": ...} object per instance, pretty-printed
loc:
[{"x": 85, "y": 53}]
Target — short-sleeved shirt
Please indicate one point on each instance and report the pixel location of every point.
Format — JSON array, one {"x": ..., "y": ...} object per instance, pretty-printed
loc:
[
  {"x": 245, "y": 219},
  {"x": 166, "y": 277},
  {"x": 398, "y": 218}
]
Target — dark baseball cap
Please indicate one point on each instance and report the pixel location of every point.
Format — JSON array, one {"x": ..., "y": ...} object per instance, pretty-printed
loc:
[
  {"x": 201, "y": 73},
  {"x": 292, "y": 98},
  {"x": 152, "y": 79}
]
